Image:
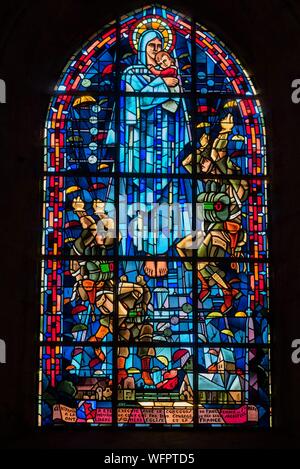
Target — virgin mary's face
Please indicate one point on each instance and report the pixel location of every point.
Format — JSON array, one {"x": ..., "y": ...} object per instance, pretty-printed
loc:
[{"x": 153, "y": 47}]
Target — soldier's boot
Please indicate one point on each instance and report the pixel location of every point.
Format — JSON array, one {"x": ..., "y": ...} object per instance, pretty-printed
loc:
[
  {"x": 229, "y": 297},
  {"x": 204, "y": 287},
  {"x": 122, "y": 373},
  {"x": 100, "y": 358},
  {"x": 100, "y": 334},
  {"x": 146, "y": 371}
]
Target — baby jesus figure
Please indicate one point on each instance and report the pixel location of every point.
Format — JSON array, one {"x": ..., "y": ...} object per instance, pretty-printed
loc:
[{"x": 167, "y": 65}]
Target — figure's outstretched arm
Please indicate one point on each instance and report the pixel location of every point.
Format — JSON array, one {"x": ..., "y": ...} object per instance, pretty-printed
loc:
[
  {"x": 219, "y": 148},
  {"x": 106, "y": 227},
  {"x": 87, "y": 222}
]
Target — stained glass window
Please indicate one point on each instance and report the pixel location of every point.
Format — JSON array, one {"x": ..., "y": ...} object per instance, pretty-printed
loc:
[{"x": 154, "y": 300}]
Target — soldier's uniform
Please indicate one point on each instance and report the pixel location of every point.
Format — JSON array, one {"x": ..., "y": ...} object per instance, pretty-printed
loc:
[
  {"x": 95, "y": 283},
  {"x": 222, "y": 203}
]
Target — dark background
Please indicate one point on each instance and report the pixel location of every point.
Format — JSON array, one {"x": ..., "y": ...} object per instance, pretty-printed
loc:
[{"x": 36, "y": 41}]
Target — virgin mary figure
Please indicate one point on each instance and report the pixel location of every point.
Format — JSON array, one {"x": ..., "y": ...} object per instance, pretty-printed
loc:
[{"x": 154, "y": 130}]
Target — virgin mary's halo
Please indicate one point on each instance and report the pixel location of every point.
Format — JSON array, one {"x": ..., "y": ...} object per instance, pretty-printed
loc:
[{"x": 152, "y": 23}]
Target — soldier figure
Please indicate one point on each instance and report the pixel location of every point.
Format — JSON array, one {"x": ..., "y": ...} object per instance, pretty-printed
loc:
[
  {"x": 222, "y": 203},
  {"x": 95, "y": 284}
]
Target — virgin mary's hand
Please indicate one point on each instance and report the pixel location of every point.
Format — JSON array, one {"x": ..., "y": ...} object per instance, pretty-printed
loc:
[{"x": 170, "y": 81}]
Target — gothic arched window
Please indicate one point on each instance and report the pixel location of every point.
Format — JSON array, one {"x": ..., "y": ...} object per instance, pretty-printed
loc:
[{"x": 154, "y": 272}]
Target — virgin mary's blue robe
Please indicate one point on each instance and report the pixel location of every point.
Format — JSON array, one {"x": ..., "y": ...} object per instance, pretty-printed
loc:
[{"x": 154, "y": 131}]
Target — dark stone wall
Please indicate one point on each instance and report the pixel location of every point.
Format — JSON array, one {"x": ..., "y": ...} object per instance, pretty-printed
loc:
[{"x": 36, "y": 41}]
